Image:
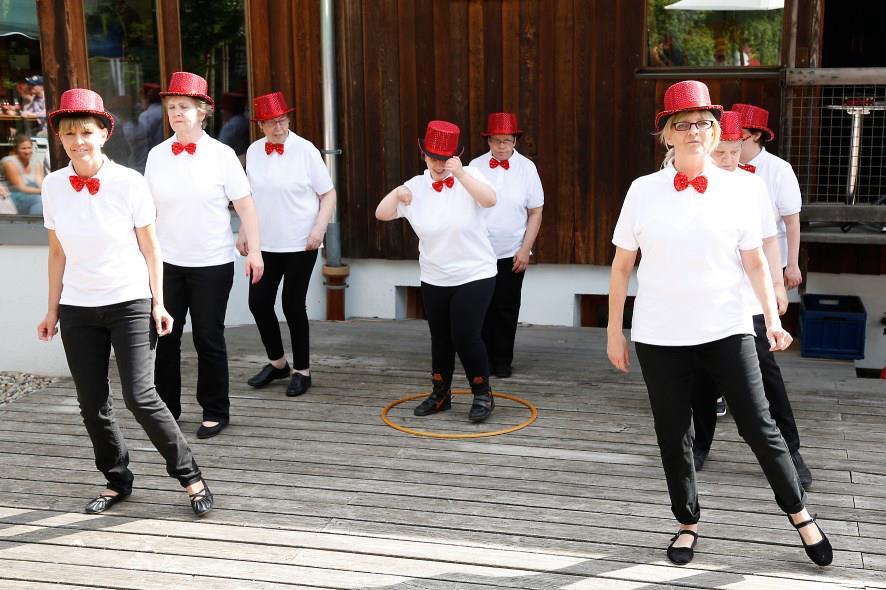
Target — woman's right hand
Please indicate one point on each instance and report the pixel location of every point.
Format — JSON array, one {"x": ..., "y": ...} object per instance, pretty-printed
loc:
[
  {"x": 242, "y": 245},
  {"x": 48, "y": 327},
  {"x": 404, "y": 195},
  {"x": 617, "y": 351}
]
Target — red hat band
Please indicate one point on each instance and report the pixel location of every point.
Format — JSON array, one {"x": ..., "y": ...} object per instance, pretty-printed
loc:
[
  {"x": 756, "y": 118},
  {"x": 188, "y": 84},
  {"x": 688, "y": 95},
  {"x": 81, "y": 101},
  {"x": 441, "y": 140},
  {"x": 730, "y": 126},
  {"x": 270, "y": 106},
  {"x": 501, "y": 124}
]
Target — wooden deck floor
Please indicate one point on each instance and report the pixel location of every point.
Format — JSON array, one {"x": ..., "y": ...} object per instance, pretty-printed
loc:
[{"x": 317, "y": 492}]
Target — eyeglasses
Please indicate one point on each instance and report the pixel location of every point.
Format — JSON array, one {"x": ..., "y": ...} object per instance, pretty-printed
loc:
[
  {"x": 503, "y": 142},
  {"x": 281, "y": 122},
  {"x": 700, "y": 125}
]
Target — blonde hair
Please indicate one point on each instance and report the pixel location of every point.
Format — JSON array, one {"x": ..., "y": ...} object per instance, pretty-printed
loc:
[
  {"x": 201, "y": 105},
  {"x": 80, "y": 123},
  {"x": 711, "y": 143}
]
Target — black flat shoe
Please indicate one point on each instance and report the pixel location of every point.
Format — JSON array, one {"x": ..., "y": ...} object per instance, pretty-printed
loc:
[
  {"x": 269, "y": 373},
  {"x": 682, "y": 555},
  {"x": 210, "y": 431},
  {"x": 202, "y": 501},
  {"x": 820, "y": 553},
  {"x": 298, "y": 384},
  {"x": 103, "y": 502}
]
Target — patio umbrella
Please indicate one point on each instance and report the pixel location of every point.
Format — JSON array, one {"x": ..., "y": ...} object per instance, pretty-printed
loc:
[{"x": 726, "y": 5}]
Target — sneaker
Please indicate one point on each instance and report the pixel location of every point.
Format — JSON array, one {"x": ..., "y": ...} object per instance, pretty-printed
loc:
[
  {"x": 268, "y": 373},
  {"x": 721, "y": 407}
]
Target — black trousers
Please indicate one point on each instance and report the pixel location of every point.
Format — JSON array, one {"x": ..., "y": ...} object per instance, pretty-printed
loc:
[
  {"x": 294, "y": 269},
  {"x": 455, "y": 318},
  {"x": 88, "y": 333},
  {"x": 203, "y": 292},
  {"x": 500, "y": 324},
  {"x": 704, "y": 396},
  {"x": 732, "y": 363}
]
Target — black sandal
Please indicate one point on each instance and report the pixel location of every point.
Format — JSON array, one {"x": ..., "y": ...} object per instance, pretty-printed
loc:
[
  {"x": 682, "y": 555},
  {"x": 202, "y": 501},
  {"x": 102, "y": 502},
  {"x": 820, "y": 553}
]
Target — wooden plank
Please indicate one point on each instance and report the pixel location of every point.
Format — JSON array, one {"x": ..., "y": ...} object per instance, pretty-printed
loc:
[{"x": 833, "y": 76}]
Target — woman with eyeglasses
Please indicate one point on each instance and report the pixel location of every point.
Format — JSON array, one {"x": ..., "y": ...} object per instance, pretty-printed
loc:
[
  {"x": 513, "y": 225},
  {"x": 294, "y": 199},
  {"x": 445, "y": 208},
  {"x": 699, "y": 232}
]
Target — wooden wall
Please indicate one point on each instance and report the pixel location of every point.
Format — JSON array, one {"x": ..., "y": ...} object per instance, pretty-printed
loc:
[{"x": 568, "y": 68}]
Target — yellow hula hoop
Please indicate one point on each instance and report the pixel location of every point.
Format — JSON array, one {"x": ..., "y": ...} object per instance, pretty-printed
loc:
[{"x": 533, "y": 414}]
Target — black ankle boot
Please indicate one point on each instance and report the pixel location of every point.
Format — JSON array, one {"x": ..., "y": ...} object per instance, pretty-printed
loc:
[
  {"x": 440, "y": 398},
  {"x": 484, "y": 403}
]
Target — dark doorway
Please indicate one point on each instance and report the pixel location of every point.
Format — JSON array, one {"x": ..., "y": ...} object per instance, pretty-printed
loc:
[{"x": 853, "y": 34}]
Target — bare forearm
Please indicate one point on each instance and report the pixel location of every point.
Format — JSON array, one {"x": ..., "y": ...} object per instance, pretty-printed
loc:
[
  {"x": 618, "y": 292},
  {"x": 56, "y": 264},
  {"x": 387, "y": 208},
  {"x": 755, "y": 267},
  {"x": 533, "y": 224},
  {"x": 245, "y": 208},
  {"x": 792, "y": 228},
  {"x": 327, "y": 206},
  {"x": 480, "y": 191},
  {"x": 773, "y": 258}
]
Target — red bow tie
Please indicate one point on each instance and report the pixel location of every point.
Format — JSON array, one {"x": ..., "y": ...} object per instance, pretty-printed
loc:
[
  {"x": 178, "y": 147},
  {"x": 749, "y": 167},
  {"x": 699, "y": 183},
  {"x": 91, "y": 184},
  {"x": 493, "y": 163},
  {"x": 438, "y": 184},
  {"x": 270, "y": 148}
]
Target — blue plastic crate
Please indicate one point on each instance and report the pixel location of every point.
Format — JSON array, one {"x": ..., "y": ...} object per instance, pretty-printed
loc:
[{"x": 832, "y": 326}]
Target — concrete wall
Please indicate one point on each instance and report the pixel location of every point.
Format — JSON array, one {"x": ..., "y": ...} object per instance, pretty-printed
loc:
[{"x": 549, "y": 297}]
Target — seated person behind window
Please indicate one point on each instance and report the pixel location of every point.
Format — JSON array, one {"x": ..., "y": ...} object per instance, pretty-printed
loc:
[
  {"x": 36, "y": 107},
  {"x": 24, "y": 176}
]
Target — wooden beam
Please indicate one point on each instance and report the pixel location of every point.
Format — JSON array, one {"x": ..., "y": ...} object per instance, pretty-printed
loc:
[
  {"x": 834, "y": 76},
  {"x": 844, "y": 213}
]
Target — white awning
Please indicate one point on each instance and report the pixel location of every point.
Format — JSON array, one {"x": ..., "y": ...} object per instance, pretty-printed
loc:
[{"x": 726, "y": 5}]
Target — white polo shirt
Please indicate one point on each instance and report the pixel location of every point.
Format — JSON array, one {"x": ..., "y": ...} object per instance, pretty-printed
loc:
[
  {"x": 690, "y": 276},
  {"x": 103, "y": 263},
  {"x": 784, "y": 191},
  {"x": 286, "y": 188},
  {"x": 192, "y": 192},
  {"x": 453, "y": 245},
  {"x": 763, "y": 206},
  {"x": 517, "y": 189}
]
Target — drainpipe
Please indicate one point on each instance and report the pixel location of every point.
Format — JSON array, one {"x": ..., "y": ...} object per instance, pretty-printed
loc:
[{"x": 334, "y": 271}]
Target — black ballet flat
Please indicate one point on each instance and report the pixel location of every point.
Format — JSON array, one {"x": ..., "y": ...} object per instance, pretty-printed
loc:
[
  {"x": 682, "y": 555},
  {"x": 268, "y": 373},
  {"x": 202, "y": 501},
  {"x": 820, "y": 553},
  {"x": 103, "y": 502}
]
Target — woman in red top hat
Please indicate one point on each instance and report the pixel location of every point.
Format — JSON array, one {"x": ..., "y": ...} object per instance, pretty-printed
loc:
[
  {"x": 689, "y": 313},
  {"x": 513, "y": 225},
  {"x": 295, "y": 199},
  {"x": 193, "y": 179},
  {"x": 106, "y": 290},
  {"x": 445, "y": 206}
]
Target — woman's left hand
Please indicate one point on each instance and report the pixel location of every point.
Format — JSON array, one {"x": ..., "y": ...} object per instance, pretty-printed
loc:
[
  {"x": 162, "y": 319},
  {"x": 255, "y": 266},
  {"x": 521, "y": 260},
  {"x": 315, "y": 239},
  {"x": 778, "y": 337},
  {"x": 453, "y": 166}
]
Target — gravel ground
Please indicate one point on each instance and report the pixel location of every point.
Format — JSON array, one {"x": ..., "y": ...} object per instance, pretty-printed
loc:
[{"x": 16, "y": 385}]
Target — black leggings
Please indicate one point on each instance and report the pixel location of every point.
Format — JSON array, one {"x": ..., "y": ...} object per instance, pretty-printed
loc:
[
  {"x": 455, "y": 318},
  {"x": 732, "y": 363},
  {"x": 295, "y": 269}
]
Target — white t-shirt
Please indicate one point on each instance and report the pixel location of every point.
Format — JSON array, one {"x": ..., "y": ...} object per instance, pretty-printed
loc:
[
  {"x": 191, "y": 192},
  {"x": 784, "y": 191},
  {"x": 286, "y": 188},
  {"x": 453, "y": 246},
  {"x": 103, "y": 263},
  {"x": 690, "y": 276},
  {"x": 757, "y": 188},
  {"x": 517, "y": 189}
]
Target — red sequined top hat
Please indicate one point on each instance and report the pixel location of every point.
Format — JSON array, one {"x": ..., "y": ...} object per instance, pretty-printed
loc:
[
  {"x": 441, "y": 140},
  {"x": 688, "y": 95},
  {"x": 81, "y": 101},
  {"x": 270, "y": 106},
  {"x": 754, "y": 118},
  {"x": 501, "y": 124},
  {"x": 188, "y": 84},
  {"x": 730, "y": 126}
]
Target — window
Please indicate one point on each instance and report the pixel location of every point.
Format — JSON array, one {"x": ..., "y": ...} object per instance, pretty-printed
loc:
[{"x": 693, "y": 33}]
